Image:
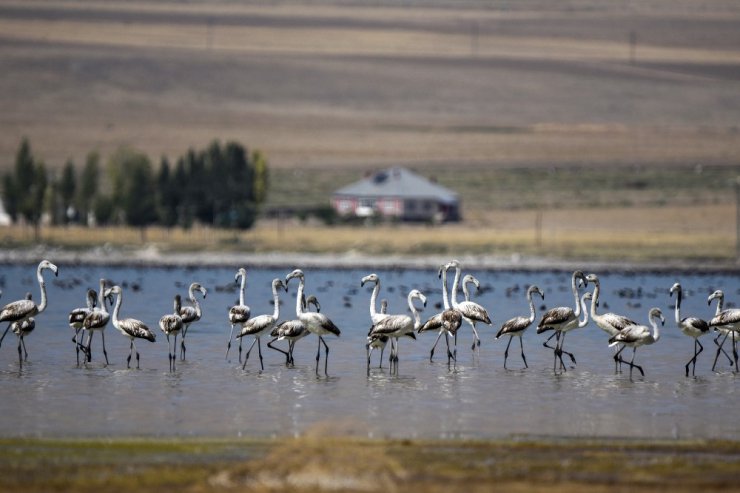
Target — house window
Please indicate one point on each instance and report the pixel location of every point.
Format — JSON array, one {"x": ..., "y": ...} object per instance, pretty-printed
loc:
[
  {"x": 345, "y": 205},
  {"x": 369, "y": 203}
]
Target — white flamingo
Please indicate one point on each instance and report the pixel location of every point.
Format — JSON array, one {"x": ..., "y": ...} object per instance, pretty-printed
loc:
[
  {"x": 690, "y": 326},
  {"x": 129, "y": 327},
  {"x": 379, "y": 341},
  {"x": 518, "y": 325},
  {"x": 190, "y": 314},
  {"x": 316, "y": 323},
  {"x": 77, "y": 317},
  {"x": 396, "y": 326},
  {"x": 21, "y": 329},
  {"x": 18, "y": 311},
  {"x": 472, "y": 312},
  {"x": 611, "y": 323},
  {"x": 172, "y": 324},
  {"x": 292, "y": 331},
  {"x": 637, "y": 335},
  {"x": 447, "y": 322},
  {"x": 263, "y": 324},
  {"x": 719, "y": 295},
  {"x": 727, "y": 322},
  {"x": 96, "y": 321},
  {"x": 238, "y": 314},
  {"x": 563, "y": 318}
]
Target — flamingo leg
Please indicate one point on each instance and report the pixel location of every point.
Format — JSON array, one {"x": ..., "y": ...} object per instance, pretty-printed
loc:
[
  {"x": 693, "y": 360},
  {"x": 617, "y": 356},
  {"x": 246, "y": 357},
  {"x": 326, "y": 355},
  {"x": 431, "y": 354},
  {"x": 318, "y": 356},
  {"x": 4, "y": 334},
  {"x": 131, "y": 351},
  {"x": 560, "y": 351},
  {"x": 450, "y": 356},
  {"x": 286, "y": 353},
  {"x": 545, "y": 344},
  {"x": 20, "y": 353},
  {"x": 734, "y": 350},
  {"x": 105, "y": 353},
  {"x": 89, "y": 346},
  {"x": 719, "y": 348},
  {"x": 380, "y": 363},
  {"x": 259, "y": 352},
  {"x": 137, "y": 354},
  {"x": 521, "y": 344},
  {"x": 77, "y": 345},
  {"x": 25, "y": 351},
  {"x": 633, "y": 365},
  {"x": 182, "y": 342},
  {"x": 506, "y": 351},
  {"x": 476, "y": 338},
  {"x": 228, "y": 346}
]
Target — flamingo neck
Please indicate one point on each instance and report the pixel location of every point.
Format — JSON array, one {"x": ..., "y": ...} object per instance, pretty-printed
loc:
[
  {"x": 42, "y": 286},
  {"x": 445, "y": 297},
  {"x": 720, "y": 303},
  {"x": 574, "y": 288},
  {"x": 242, "y": 287},
  {"x": 196, "y": 304},
  {"x": 276, "y": 299},
  {"x": 656, "y": 330},
  {"x": 678, "y": 307},
  {"x": 90, "y": 302},
  {"x": 101, "y": 295},
  {"x": 455, "y": 283},
  {"x": 417, "y": 317},
  {"x": 584, "y": 322},
  {"x": 594, "y": 301},
  {"x": 531, "y": 306},
  {"x": 299, "y": 297},
  {"x": 117, "y": 307},
  {"x": 373, "y": 301},
  {"x": 466, "y": 292}
]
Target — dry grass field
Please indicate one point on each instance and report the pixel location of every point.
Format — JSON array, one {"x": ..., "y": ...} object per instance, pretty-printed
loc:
[{"x": 519, "y": 106}]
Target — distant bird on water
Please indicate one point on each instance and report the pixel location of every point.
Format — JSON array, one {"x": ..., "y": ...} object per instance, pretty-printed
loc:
[
  {"x": 190, "y": 314},
  {"x": 238, "y": 314},
  {"x": 638, "y": 335}
]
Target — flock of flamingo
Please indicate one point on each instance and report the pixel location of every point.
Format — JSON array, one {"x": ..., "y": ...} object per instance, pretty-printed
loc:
[{"x": 385, "y": 328}]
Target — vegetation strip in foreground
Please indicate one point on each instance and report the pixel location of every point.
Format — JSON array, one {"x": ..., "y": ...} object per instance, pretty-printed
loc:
[{"x": 321, "y": 461}]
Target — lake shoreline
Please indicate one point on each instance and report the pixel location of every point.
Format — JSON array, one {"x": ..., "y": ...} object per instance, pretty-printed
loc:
[{"x": 151, "y": 256}]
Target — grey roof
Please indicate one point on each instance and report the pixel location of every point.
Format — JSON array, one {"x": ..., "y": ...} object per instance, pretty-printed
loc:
[{"x": 398, "y": 182}]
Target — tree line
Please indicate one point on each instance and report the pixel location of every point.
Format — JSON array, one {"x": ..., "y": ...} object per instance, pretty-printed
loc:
[{"x": 221, "y": 185}]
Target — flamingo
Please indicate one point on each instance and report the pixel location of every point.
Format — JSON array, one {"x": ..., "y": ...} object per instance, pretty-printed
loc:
[
  {"x": 727, "y": 321},
  {"x": 637, "y": 335},
  {"x": 21, "y": 329},
  {"x": 172, "y": 324},
  {"x": 129, "y": 327},
  {"x": 316, "y": 323},
  {"x": 77, "y": 317},
  {"x": 396, "y": 326},
  {"x": 690, "y": 326},
  {"x": 719, "y": 295},
  {"x": 97, "y": 320},
  {"x": 292, "y": 331},
  {"x": 563, "y": 318},
  {"x": 380, "y": 341},
  {"x": 18, "y": 311},
  {"x": 190, "y": 314},
  {"x": 447, "y": 322},
  {"x": 610, "y": 323},
  {"x": 518, "y": 325},
  {"x": 238, "y": 314},
  {"x": 472, "y": 312},
  {"x": 263, "y": 324}
]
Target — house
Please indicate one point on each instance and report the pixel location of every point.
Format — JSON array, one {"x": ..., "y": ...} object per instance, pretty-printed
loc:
[{"x": 397, "y": 193}]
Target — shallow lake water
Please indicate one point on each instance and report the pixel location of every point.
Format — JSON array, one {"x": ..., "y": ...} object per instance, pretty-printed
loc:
[{"x": 50, "y": 396}]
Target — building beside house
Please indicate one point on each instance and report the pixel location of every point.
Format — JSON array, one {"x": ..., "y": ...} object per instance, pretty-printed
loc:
[{"x": 397, "y": 193}]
